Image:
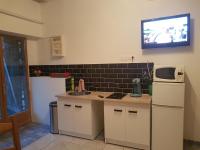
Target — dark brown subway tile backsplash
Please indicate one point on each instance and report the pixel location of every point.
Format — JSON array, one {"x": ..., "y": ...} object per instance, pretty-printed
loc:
[{"x": 101, "y": 77}]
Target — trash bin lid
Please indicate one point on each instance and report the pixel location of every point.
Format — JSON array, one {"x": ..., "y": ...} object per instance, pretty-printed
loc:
[{"x": 53, "y": 104}]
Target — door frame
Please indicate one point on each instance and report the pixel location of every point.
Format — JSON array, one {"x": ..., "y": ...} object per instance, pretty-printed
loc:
[
  {"x": 22, "y": 117},
  {"x": 2, "y": 85}
]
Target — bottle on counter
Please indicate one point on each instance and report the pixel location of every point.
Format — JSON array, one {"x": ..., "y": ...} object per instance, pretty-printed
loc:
[
  {"x": 81, "y": 86},
  {"x": 72, "y": 83}
]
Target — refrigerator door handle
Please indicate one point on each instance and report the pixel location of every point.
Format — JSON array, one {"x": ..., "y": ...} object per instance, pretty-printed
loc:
[{"x": 157, "y": 105}]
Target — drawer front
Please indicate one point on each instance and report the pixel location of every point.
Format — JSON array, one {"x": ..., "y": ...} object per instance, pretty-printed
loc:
[
  {"x": 138, "y": 125},
  {"x": 114, "y": 117},
  {"x": 65, "y": 116}
]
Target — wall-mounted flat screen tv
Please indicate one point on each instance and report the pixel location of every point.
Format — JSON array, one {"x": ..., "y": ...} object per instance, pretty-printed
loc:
[{"x": 168, "y": 31}]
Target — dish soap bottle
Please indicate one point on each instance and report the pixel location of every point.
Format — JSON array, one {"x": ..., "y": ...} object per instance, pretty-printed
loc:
[{"x": 72, "y": 83}]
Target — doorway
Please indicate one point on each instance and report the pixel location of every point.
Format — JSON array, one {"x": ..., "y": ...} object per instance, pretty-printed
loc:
[{"x": 14, "y": 83}]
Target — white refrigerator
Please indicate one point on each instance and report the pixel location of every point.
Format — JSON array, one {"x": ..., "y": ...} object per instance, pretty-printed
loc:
[{"x": 167, "y": 115}]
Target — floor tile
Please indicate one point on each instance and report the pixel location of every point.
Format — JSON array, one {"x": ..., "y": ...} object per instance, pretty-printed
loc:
[
  {"x": 112, "y": 147},
  {"x": 94, "y": 145},
  {"x": 62, "y": 146},
  {"x": 75, "y": 140},
  {"x": 125, "y": 148},
  {"x": 43, "y": 142},
  {"x": 30, "y": 147}
]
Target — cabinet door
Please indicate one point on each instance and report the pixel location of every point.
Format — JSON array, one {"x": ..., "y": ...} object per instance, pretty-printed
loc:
[
  {"x": 138, "y": 125},
  {"x": 65, "y": 115},
  {"x": 167, "y": 128},
  {"x": 82, "y": 117},
  {"x": 114, "y": 117},
  {"x": 163, "y": 94}
]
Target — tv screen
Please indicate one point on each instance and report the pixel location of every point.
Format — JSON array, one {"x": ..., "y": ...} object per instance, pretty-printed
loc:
[{"x": 169, "y": 31}]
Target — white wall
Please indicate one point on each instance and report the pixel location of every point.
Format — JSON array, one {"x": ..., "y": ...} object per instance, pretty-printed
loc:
[
  {"x": 32, "y": 52},
  {"x": 108, "y": 31},
  {"x": 24, "y": 8},
  {"x": 44, "y": 90}
]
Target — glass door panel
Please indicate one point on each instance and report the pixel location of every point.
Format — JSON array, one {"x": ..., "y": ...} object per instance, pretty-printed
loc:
[{"x": 14, "y": 63}]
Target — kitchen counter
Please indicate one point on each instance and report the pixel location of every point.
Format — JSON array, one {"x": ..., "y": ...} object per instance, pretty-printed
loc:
[
  {"x": 144, "y": 100},
  {"x": 126, "y": 121}
]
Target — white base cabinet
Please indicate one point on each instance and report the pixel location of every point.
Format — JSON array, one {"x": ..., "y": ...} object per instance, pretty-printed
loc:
[
  {"x": 127, "y": 125},
  {"x": 80, "y": 118}
]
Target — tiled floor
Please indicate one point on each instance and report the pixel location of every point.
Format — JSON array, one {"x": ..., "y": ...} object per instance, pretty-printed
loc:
[
  {"x": 61, "y": 142},
  {"x": 28, "y": 134},
  {"x": 36, "y": 137}
]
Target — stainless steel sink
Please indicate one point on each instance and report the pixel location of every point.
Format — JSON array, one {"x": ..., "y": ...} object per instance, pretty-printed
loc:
[{"x": 79, "y": 93}]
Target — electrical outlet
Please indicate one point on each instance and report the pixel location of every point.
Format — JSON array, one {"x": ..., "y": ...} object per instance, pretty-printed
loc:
[{"x": 127, "y": 59}]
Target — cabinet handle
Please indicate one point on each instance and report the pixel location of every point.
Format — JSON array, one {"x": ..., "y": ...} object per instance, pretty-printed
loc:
[
  {"x": 132, "y": 111},
  {"x": 67, "y": 105},
  {"x": 118, "y": 110},
  {"x": 77, "y": 106}
]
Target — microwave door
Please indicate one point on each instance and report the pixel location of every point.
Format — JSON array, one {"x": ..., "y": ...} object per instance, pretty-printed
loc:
[{"x": 168, "y": 73}]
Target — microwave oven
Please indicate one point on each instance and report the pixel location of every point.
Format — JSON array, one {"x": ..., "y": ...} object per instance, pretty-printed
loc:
[{"x": 168, "y": 73}]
